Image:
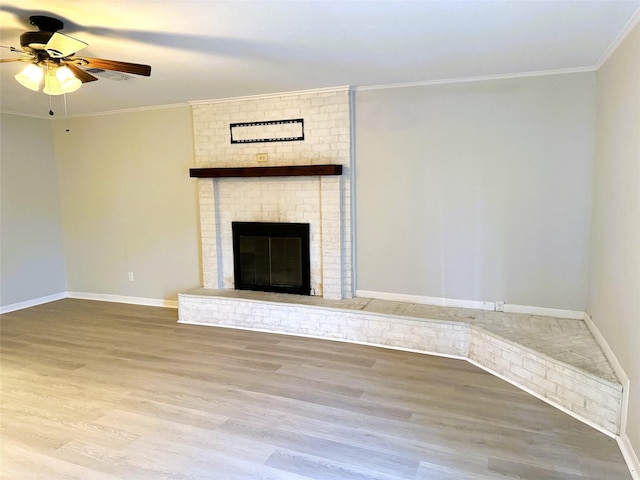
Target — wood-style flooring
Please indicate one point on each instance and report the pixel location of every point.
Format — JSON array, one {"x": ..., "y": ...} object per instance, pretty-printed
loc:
[{"x": 96, "y": 390}]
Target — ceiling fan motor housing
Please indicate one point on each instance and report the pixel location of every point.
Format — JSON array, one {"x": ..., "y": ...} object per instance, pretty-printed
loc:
[
  {"x": 32, "y": 41},
  {"x": 46, "y": 24}
]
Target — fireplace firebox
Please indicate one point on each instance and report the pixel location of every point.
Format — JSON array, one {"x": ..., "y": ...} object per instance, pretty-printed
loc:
[{"x": 271, "y": 257}]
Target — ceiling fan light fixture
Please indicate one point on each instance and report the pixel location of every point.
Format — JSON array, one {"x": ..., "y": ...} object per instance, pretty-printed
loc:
[
  {"x": 30, "y": 77},
  {"x": 59, "y": 80},
  {"x": 52, "y": 85},
  {"x": 68, "y": 81}
]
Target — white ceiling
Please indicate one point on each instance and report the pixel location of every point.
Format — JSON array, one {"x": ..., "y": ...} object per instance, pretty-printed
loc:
[{"x": 206, "y": 49}]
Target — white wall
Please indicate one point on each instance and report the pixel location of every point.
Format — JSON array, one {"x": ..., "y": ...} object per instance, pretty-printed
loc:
[
  {"x": 128, "y": 204},
  {"x": 614, "y": 275},
  {"x": 476, "y": 191},
  {"x": 31, "y": 254}
]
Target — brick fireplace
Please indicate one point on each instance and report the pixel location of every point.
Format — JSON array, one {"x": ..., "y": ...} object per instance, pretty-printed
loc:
[{"x": 322, "y": 201}]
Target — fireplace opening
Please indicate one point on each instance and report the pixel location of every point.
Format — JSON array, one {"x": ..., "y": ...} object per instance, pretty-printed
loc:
[{"x": 271, "y": 257}]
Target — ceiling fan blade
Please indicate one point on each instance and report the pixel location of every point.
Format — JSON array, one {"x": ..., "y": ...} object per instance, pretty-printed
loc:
[
  {"x": 7, "y": 60},
  {"x": 61, "y": 45},
  {"x": 125, "y": 67},
  {"x": 80, "y": 74}
]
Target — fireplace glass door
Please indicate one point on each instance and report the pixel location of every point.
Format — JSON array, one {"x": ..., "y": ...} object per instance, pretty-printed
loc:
[{"x": 271, "y": 257}]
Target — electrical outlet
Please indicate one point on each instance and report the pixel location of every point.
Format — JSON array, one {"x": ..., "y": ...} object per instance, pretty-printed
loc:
[
  {"x": 261, "y": 157},
  {"x": 131, "y": 276},
  {"x": 499, "y": 306}
]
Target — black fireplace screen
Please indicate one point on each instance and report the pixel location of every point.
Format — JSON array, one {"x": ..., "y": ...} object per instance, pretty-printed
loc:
[{"x": 271, "y": 257}]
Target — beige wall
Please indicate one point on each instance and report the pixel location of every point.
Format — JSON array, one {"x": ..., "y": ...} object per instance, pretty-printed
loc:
[
  {"x": 476, "y": 191},
  {"x": 31, "y": 254},
  {"x": 614, "y": 278},
  {"x": 128, "y": 204}
]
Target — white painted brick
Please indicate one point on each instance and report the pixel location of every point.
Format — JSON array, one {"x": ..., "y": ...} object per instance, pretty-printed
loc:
[
  {"x": 610, "y": 413},
  {"x": 590, "y": 392},
  {"x": 523, "y": 373},
  {"x": 558, "y": 378},
  {"x": 544, "y": 384},
  {"x": 571, "y": 396},
  {"x": 534, "y": 366},
  {"x": 605, "y": 387},
  {"x": 512, "y": 357}
]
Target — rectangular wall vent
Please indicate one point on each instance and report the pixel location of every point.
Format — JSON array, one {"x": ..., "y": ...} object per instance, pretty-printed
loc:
[{"x": 108, "y": 74}]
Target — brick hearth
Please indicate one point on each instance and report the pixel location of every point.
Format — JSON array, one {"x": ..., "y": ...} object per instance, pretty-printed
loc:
[{"x": 528, "y": 351}]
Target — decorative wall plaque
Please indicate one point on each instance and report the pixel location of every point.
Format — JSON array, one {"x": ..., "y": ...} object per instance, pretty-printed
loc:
[{"x": 267, "y": 131}]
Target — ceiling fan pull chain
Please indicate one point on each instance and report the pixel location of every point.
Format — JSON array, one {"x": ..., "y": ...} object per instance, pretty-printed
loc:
[
  {"x": 66, "y": 113},
  {"x": 50, "y": 106}
]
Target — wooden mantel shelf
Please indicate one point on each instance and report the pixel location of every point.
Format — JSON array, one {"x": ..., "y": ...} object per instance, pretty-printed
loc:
[{"x": 286, "y": 171}]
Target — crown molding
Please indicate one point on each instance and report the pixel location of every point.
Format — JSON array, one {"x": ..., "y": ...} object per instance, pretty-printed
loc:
[
  {"x": 483, "y": 78},
  {"x": 342, "y": 88},
  {"x": 127, "y": 110},
  {"x": 624, "y": 33},
  {"x": 97, "y": 114},
  {"x": 17, "y": 114}
]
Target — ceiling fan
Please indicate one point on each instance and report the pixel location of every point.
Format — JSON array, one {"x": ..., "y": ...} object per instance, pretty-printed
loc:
[{"x": 52, "y": 55}]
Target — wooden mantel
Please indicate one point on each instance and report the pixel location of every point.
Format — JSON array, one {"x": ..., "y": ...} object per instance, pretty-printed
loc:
[{"x": 285, "y": 171}]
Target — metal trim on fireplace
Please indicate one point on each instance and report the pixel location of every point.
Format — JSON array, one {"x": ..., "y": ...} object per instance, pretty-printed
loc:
[{"x": 272, "y": 230}]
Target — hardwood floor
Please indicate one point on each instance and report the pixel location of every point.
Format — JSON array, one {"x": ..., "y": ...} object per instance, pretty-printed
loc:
[{"x": 94, "y": 390}]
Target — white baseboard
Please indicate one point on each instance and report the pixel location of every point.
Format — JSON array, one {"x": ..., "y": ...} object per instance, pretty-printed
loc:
[
  {"x": 629, "y": 455},
  {"x": 102, "y": 297},
  {"x": 544, "y": 311},
  {"x": 436, "y": 301},
  {"x": 617, "y": 368},
  {"x": 606, "y": 349},
  {"x": 32, "y": 303},
  {"x": 478, "y": 305}
]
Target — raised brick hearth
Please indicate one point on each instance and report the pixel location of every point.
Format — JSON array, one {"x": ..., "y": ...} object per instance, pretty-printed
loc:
[{"x": 519, "y": 348}]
